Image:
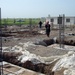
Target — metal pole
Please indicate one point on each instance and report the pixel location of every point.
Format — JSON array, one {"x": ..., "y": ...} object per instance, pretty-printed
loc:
[
  {"x": 63, "y": 23},
  {"x": 1, "y": 57},
  {"x": 59, "y": 32}
]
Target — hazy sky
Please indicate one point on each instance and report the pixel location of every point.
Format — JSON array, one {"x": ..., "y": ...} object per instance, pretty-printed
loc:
[{"x": 36, "y": 8}]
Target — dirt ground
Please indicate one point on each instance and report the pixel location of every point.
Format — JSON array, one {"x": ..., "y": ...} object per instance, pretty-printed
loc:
[{"x": 12, "y": 38}]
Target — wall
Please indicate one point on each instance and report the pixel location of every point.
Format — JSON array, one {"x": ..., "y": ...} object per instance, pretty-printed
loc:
[{"x": 72, "y": 20}]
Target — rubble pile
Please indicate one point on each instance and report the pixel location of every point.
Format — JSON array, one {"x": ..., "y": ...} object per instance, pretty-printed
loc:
[
  {"x": 45, "y": 42},
  {"x": 67, "y": 42},
  {"x": 67, "y": 62}
]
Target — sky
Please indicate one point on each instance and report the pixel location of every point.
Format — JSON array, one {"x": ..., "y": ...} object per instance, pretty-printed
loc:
[{"x": 36, "y": 8}]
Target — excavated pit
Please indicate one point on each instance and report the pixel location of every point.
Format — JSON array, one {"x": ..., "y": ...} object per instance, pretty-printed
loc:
[
  {"x": 28, "y": 33},
  {"x": 44, "y": 42},
  {"x": 11, "y": 57},
  {"x": 41, "y": 67}
]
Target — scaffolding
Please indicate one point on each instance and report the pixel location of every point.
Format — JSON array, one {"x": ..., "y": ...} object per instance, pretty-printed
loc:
[{"x": 1, "y": 57}]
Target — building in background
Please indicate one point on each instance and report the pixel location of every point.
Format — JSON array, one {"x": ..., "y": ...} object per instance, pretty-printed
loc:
[{"x": 68, "y": 20}]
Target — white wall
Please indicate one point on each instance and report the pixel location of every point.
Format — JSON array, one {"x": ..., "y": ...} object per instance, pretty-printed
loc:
[{"x": 72, "y": 20}]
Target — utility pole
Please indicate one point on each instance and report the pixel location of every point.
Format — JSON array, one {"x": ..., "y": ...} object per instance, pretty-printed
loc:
[{"x": 1, "y": 57}]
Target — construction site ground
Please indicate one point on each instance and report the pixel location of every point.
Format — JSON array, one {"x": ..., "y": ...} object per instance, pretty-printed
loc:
[{"x": 25, "y": 36}]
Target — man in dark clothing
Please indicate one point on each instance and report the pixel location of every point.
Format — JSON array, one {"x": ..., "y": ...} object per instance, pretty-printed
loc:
[
  {"x": 47, "y": 26},
  {"x": 40, "y": 24}
]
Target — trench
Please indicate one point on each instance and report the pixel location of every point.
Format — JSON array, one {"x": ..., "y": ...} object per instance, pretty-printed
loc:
[
  {"x": 11, "y": 57},
  {"x": 52, "y": 41},
  {"x": 45, "y": 42},
  {"x": 19, "y": 33},
  {"x": 67, "y": 42}
]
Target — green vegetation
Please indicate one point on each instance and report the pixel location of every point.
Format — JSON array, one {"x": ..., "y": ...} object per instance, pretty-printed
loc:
[{"x": 20, "y": 21}]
